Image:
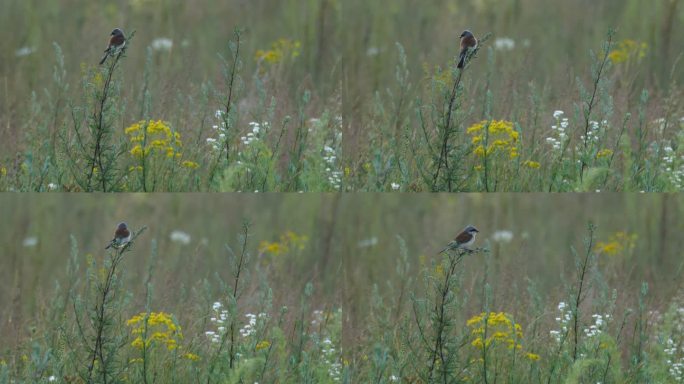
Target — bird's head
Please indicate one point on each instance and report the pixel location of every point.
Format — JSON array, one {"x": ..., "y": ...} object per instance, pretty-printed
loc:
[
  {"x": 117, "y": 32},
  {"x": 470, "y": 229},
  {"x": 466, "y": 33},
  {"x": 122, "y": 226}
]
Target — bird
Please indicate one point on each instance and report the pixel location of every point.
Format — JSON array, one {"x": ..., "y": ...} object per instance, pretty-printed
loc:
[
  {"x": 116, "y": 41},
  {"x": 467, "y": 41},
  {"x": 121, "y": 236},
  {"x": 463, "y": 240}
]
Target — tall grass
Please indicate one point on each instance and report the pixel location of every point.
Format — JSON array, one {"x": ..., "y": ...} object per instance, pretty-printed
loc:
[
  {"x": 341, "y": 287},
  {"x": 331, "y": 96}
]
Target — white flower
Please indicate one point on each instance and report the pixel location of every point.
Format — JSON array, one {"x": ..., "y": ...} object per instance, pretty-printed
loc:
[
  {"x": 504, "y": 43},
  {"x": 52, "y": 378},
  {"x": 395, "y": 186},
  {"x": 369, "y": 242},
  {"x": 52, "y": 186},
  {"x": 557, "y": 114},
  {"x": 162, "y": 44},
  {"x": 30, "y": 241},
  {"x": 372, "y": 51},
  {"x": 24, "y": 51},
  {"x": 503, "y": 236},
  {"x": 179, "y": 236},
  {"x": 210, "y": 140}
]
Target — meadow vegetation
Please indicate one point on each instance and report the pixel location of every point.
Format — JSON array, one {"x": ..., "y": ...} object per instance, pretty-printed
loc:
[
  {"x": 328, "y": 95},
  {"x": 561, "y": 288}
]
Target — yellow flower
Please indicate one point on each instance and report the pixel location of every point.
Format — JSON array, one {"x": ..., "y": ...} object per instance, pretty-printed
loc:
[
  {"x": 500, "y": 136},
  {"x": 98, "y": 80},
  {"x": 604, "y": 153},
  {"x": 3, "y": 171},
  {"x": 626, "y": 49},
  {"x": 288, "y": 241},
  {"x": 137, "y": 151},
  {"x": 477, "y": 343},
  {"x": 158, "y": 143},
  {"x": 263, "y": 345},
  {"x": 137, "y": 343},
  {"x": 191, "y": 356},
  {"x": 531, "y": 164},
  {"x": 132, "y": 129},
  {"x": 272, "y": 248},
  {"x": 155, "y": 327},
  {"x": 190, "y": 164},
  {"x": 532, "y": 356},
  {"x": 617, "y": 243},
  {"x": 439, "y": 270},
  {"x": 280, "y": 49}
]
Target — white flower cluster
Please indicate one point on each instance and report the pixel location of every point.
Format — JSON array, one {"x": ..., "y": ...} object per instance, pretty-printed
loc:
[
  {"x": 219, "y": 319},
  {"x": 502, "y": 236},
  {"x": 250, "y": 328},
  {"x": 674, "y": 346},
  {"x": 178, "y": 236},
  {"x": 673, "y": 166},
  {"x": 330, "y": 356},
  {"x": 563, "y": 320},
  {"x": 559, "y": 131},
  {"x": 253, "y": 135},
  {"x": 504, "y": 44},
  {"x": 593, "y": 132},
  {"x": 217, "y": 143},
  {"x": 674, "y": 359},
  {"x": 330, "y": 160},
  {"x": 600, "y": 322}
]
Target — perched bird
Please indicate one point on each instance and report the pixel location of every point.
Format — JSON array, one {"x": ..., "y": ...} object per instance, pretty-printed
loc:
[
  {"x": 116, "y": 42},
  {"x": 467, "y": 41},
  {"x": 463, "y": 240},
  {"x": 121, "y": 236}
]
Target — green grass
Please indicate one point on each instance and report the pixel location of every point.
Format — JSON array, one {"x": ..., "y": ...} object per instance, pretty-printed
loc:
[
  {"x": 361, "y": 270},
  {"x": 342, "y": 96}
]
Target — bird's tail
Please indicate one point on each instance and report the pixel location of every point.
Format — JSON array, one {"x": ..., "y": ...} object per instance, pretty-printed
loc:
[
  {"x": 449, "y": 246},
  {"x": 104, "y": 57},
  {"x": 461, "y": 60}
]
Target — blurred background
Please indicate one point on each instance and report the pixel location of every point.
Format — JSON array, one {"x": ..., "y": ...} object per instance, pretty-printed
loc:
[{"x": 344, "y": 244}]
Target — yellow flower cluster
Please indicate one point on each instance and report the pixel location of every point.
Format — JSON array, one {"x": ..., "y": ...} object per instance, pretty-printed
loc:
[
  {"x": 498, "y": 136},
  {"x": 492, "y": 329},
  {"x": 604, "y": 153},
  {"x": 617, "y": 243},
  {"x": 263, "y": 345},
  {"x": 160, "y": 329},
  {"x": 153, "y": 137},
  {"x": 288, "y": 241},
  {"x": 626, "y": 49},
  {"x": 280, "y": 49},
  {"x": 531, "y": 164}
]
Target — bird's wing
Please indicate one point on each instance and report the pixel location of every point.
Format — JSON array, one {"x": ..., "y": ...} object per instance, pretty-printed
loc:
[{"x": 463, "y": 238}]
